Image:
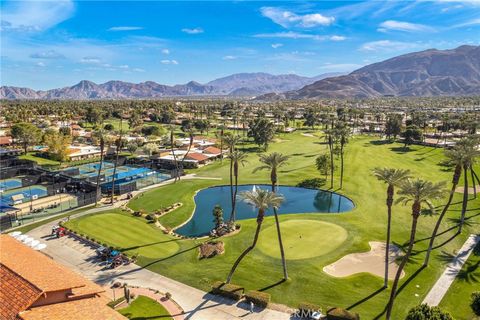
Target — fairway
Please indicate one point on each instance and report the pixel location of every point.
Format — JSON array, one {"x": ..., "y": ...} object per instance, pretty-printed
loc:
[
  {"x": 131, "y": 235},
  {"x": 302, "y": 239}
]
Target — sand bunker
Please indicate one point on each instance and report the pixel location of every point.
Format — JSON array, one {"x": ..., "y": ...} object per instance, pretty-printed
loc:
[
  {"x": 470, "y": 190},
  {"x": 372, "y": 262}
]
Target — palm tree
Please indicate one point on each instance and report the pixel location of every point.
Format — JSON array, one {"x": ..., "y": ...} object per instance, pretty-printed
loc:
[
  {"x": 172, "y": 150},
  {"x": 273, "y": 162},
  {"x": 262, "y": 200},
  {"x": 342, "y": 133},
  {"x": 230, "y": 141},
  {"x": 330, "y": 142},
  {"x": 100, "y": 135},
  {"x": 237, "y": 158},
  {"x": 392, "y": 177},
  {"x": 469, "y": 147},
  {"x": 117, "y": 154},
  {"x": 456, "y": 157},
  {"x": 418, "y": 192}
]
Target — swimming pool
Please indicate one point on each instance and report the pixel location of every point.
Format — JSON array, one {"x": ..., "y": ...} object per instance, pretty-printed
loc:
[{"x": 297, "y": 200}]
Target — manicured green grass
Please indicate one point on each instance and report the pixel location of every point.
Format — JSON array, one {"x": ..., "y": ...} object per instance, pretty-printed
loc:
[
  {"x": 458, "y": 297},
  {"x": 367, "y": 222},
  {"x": 302, "y": 239},
  {"x": 119, "y": 229},
  {"x": 39, "y": 160},
  {"x": 143, "y": 308}
]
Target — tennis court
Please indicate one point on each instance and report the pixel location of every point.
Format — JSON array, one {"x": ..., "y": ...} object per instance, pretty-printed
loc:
[
  {"x": 21, "y": 195},
  {"x": 8, "y": 184}
]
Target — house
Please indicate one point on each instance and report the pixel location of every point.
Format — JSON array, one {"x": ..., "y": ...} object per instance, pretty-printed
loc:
[
  {"x": 6, "y": 140},
  {"x": 83, "y": 152},
  {"x": 34, "y": 287}
]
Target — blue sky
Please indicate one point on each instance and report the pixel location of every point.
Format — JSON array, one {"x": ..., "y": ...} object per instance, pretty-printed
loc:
[{"x": 55, "y": 44}]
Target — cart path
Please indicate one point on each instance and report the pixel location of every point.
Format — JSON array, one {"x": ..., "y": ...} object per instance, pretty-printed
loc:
[
  {"x": 197, "y": 304},
  {"x": 438, "y": 291}
]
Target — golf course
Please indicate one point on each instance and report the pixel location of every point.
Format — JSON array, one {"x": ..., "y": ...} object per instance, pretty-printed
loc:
[{"x": 311, "y": 240}]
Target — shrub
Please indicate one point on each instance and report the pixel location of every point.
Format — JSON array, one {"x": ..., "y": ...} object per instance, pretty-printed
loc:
[
  {"x": 315, "y": 183},
  {"x": 341, "y": 314},
  {"x": 149, "y": 217},
  {"x": 228, "y": 290},
  {"x": 306, "y": 309},
  {"x": 425, "y": 312},
  {"x": 475, "y": 304},
  {"x": 168, "y": 295},
  {"x": 261, "y": 299}
]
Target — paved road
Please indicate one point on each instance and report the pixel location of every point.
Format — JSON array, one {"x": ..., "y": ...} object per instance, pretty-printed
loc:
[
  {"x": 197, "y": 304},
  {"x": 440, "y": 288}
]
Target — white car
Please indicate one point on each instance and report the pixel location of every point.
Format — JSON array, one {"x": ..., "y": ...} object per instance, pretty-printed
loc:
[{"x": 317, "y": 315}]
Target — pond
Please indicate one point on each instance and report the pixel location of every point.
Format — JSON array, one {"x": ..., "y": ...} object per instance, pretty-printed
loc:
[{"x": 297, "y": 200}]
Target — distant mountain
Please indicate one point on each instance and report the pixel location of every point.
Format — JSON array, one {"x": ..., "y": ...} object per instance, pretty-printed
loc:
[
  {"x": 427, "y": 73},
  {"x": 242, "y": 84}
]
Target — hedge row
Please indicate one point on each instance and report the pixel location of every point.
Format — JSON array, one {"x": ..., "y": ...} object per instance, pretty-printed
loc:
[
  {"x": 228, "y": 290},
  {"x": 261, "y": 299},
  {"x": 306, "y": 308},
  {"x": 341, "y": 314}
]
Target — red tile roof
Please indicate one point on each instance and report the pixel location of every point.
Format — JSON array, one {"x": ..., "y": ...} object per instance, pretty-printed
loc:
[
  {"x": 5, "y": 140},
  {"x": 212, "y": 150},
  {"x": 196, "y": 156},
  {"x": 83, "y": 309},
  {"x": 16, "y": 293}
]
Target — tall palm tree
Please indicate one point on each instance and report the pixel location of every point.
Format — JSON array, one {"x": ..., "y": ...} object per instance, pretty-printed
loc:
[
  {"x": 172, "y": 150},
  {"x": 418, "y": 192},
  {"x": 273, "y": 162},
  {"x": 117, "y": 154},
  {"x": 330, "y": 142},
  {"x": 342, "y": 133},
  {"x": 469, "y": 147},
  {"x": 456, "y": 157},
  {"x": 100, "y": 135},
  {"x": 392, "y": 177},
  {"x": 230, "y": 141},
  {"x": 262, "y": 200},
  {"x": 237, "y": 158}
]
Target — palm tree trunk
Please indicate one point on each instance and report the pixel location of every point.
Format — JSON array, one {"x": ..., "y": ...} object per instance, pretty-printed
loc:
[
  {"x": 231, "y": 187},
  {"x": 331, "y": 162},
  {"x": 473, "y": 183},
  {"x": 456, "y": 175},
  {"x": 250, "y": 248},
  {"x": 175, "y": 162},
  {"x": 116, "y": 162},
  {"x": 341, "y": 167},
  {"x": 465, "y": 199},
  {"x": 234, "y": 197},
  {"x": 413, "y": 230},
  {"x": 279, "y": 235},
  {"x": 102, "y": 147},
  {"x": 390, "y": 193}
]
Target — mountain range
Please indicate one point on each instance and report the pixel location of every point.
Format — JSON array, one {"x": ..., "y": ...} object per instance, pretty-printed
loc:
[
  {"x": 432, "y": 72},
  {"x": 427, "y": 73},
  {"x": 241, "y": 84}
]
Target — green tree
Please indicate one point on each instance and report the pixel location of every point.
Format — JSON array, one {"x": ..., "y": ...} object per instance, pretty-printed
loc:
[
  {"x": 26, "y": 134},
  {"x": 273, "y": 162},
  {"x": 475, "y": 302},
  {"x": 425, "y": 312},
  {"x": 217, "y": 216},
  {"x": 262, "y": 200},
  {"x": 322, "y": 163},
  {"x": 391, "y": 177},
  {"x": 342, "y": 133},
  {"x": 411, "y": 135},
  {"x": 393, "y": 126},
  {"x": 262, "y": 131},
  {"x": 418, "y": 192}
]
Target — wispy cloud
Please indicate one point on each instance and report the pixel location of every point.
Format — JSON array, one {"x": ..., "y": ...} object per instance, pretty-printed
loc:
[
  {"x": 125, "y": 28},
  {"x": 91, "y": 60},
  {"x": 299, "y": 35},
  {"x": 403, "y": 26},
  {"x": 167, "y": 61},
  {"x": 165, "y": 51},
  {"x": 277, "y": 45},
  {"x": 387, "y": 45},
  {"x": 193, "y": 31},
  {"x": 35, "y": 15},
  {"x": 229, "y": 58},
  {"x": 289, "y": 19},
  {"x": 50, "y": 54},
  {"x": 469, "y": 23},
  {"x": 41, "y": 64}
]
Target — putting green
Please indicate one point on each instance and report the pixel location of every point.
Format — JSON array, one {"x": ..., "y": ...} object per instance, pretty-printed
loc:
[
  {"x": 131, "y": 235},
  {"x": 302, "y": 239}
]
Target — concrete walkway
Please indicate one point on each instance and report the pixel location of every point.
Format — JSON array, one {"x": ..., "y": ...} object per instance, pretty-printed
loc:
[
  {"x": 440, "y": 288},
  {"x": 197, "y": 304}
]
